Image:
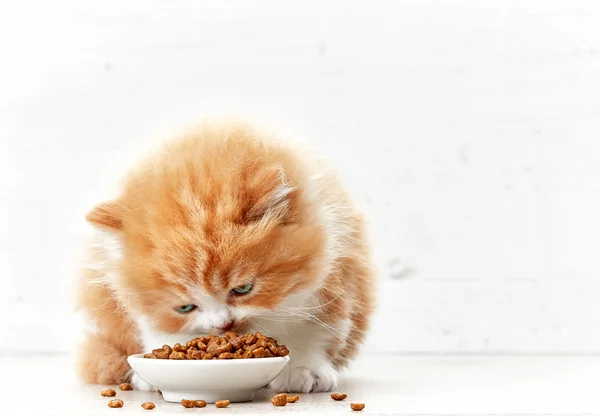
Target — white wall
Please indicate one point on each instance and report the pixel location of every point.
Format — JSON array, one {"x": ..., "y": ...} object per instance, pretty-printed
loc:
[{"x": 470, "y": 131}]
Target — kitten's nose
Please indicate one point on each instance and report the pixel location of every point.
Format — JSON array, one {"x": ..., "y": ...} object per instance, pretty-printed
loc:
[{"x": 227, "y": 326}]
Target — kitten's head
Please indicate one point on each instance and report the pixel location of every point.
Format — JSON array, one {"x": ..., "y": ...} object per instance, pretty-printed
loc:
[{"x": 216, "y": 228}]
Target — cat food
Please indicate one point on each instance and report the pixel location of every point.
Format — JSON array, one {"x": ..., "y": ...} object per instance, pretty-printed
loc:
[
  {"x": 199, "y": 403},
  {"x": 357, "y": 406},
  {"x": 230, "y": 347},
  {"x": 115, "y": 403},
  {"x": 293, "y": 399},
  {"x": 125, "y": 386},
  {"x": 187, "y": 403},
  {"x": 222, "y": 403},
  {"x": 279, "y": 399},
  {"x": 148, "y": 405},
  {"x": 108, "y": 393},
  {"x": 339, "y": 396}
]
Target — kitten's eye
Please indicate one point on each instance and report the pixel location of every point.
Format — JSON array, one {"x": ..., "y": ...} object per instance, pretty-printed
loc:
[
  {"x": 242, "y": 290},
  {"x": 186, "y": 308}
]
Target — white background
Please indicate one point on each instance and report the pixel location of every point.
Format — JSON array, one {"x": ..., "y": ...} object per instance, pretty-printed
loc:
[{"x": 468, "y": 130}]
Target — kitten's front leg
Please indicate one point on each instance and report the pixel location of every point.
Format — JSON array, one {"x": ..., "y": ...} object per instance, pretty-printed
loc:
[
  {"x": 310, "y": 368},
  {"x": 303, "y": 377}
]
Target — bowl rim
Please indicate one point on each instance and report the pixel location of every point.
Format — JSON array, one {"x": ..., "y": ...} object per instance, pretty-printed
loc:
[{"x": 137, "y": 357}]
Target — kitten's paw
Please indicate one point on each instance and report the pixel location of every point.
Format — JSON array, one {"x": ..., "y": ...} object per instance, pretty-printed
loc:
[
  {"x": 304, "y": 380},
  {"x": 139, "y": 384}
]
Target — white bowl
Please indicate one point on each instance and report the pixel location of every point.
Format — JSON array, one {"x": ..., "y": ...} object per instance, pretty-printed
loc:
[{"x": 210, "y": 380}]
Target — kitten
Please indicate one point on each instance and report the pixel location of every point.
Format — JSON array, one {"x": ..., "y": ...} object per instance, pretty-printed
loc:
[{"x": 228, "y": 229}]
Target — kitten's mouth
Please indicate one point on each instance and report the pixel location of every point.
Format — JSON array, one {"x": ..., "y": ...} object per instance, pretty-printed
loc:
[
  {"x": 236, "y": 326},
  {"x": 228, "y": 326}
]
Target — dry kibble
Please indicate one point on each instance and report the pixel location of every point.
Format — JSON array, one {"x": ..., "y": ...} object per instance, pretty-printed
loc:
[
  {"x": 339, "y": 396},
  {"x": 222, "y": 403},
  {"x": 194, "y": 354},
  {"x": 357, "y": 406},
  {"x": 258, "y": 353},
  {"x": 108, "y": 393},
  {"x": 115, "y": 403},
  {"x": 231, "y": 334},
  {"x": 225, "y": 356},
  {"x": 279, "y": 399},
  {"x": 161, "y": 353},
  {"x": 125, "y": 386},
  {"x": 148, "y": 405},
  {"x": 179, "y": 348},
  {"x": 192, "y": 343},
  {"x": 236, "y": 343},
  {"x": 213, "y": 347},
  {"x": 187, "y": 403},
  {"x": 176, "y": 355},
  {"x": 293, "y": 399},
  {"x": 199, "y": 403}
]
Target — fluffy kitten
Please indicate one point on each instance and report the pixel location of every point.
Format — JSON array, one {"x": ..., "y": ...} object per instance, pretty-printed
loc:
[{"x": 226, "y": 228}]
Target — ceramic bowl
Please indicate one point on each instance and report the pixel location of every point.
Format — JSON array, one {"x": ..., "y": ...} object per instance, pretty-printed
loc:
[{"x": 210, "y": 380}]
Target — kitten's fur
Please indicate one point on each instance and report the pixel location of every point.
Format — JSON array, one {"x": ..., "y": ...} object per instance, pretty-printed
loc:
[{"x": 221, "y": 207}]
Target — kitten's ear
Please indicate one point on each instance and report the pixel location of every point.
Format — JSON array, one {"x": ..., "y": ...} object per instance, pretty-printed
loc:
[
  {"x": 107, "y": 215},
  {"x": 275, "y": 196}
]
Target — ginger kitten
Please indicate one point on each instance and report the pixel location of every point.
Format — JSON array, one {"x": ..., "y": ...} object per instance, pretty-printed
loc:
[{"x": 226, "y": 228}]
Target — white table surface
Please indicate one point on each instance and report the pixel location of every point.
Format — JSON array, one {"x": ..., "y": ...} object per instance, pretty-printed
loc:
[{"x": 388, "y": 385}]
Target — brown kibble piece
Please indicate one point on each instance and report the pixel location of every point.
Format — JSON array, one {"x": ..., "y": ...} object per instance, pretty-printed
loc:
[
  {"x": 279, "y": 399},
  {"x": 282, "y": 351},
  {"x": 192, "y": 343},
  {"x": 179, "y": 348},
  {"x": 222, "y": 403},
  {"x": 231, "y": 334},
  {"x": 357, "y": 406},
  {"x": 268, "y": 353},
  {"x": 201, "y": 346},
  {"x": 115, "y": 403},
  {"x": 250, "y": 339},
  {"x": 225, "y": 356},
  {"x": 150, "y": 355},
  {"x": 236, "y": 343},
  {"x": 194, "y": 354},
  {"x": 176, "y": 355},
  {"x": 187, "y": 403},
  {"x": 125, "y": 386},
  {"x": 199, "y": 403},
  {"x": 207, "y": 356},
  {"x": 148, "y": 405},
  {"x": 259, "y": 353},
  {"x": 261, "y": 343},
  {"x": 293, "y": 399},
  {"x": 339, "y": 396},
  {"x": 161, "y": 353},
  {"x": 108, "y": 393}
]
